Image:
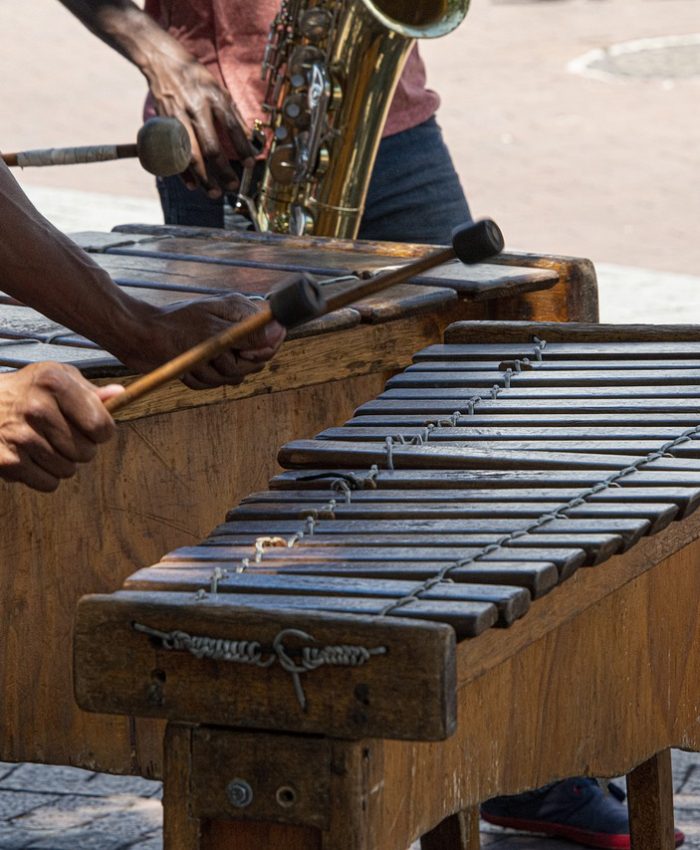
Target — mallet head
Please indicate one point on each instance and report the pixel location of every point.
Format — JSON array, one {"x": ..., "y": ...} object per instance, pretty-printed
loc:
[
  {"x": 477, "y": 240},
  {"x": 163, "y": 146}
]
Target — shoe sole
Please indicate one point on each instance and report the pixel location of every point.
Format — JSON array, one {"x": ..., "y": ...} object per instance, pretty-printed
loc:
[{"x": 601, "y": 840}]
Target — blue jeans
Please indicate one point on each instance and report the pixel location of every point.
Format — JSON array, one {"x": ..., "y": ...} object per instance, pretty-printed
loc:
[{"x": 414, "y": 194}]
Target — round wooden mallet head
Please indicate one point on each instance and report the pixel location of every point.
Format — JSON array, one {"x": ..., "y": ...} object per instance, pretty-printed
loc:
[
  {"x": 477, "y": 240},
  {"x": 163, "y": 146}
]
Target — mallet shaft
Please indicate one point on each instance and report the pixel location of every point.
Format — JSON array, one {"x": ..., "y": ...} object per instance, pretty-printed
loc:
[
  {"x": 69, "y": 156},
  {"x": 206, "y": 350},
  {"x": 485, "y": 244}
]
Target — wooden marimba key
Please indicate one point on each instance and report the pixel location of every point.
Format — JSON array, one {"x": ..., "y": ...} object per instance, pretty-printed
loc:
[{"x": 481, "y": 480}]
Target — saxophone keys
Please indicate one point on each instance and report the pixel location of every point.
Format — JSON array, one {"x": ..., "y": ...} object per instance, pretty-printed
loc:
[
  {"x": 316, "y": 24},
  {"x": 281, "y": 163}
]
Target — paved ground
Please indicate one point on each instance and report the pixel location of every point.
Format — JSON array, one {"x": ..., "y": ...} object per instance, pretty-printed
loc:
[{"x": 604, "y": 167}]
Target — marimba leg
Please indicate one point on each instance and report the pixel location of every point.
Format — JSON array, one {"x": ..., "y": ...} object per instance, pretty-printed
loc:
[
  {"x": 292, "y": 792},
  {"x": 457, "y": 832},
  {"x": 650, "y": 797}
]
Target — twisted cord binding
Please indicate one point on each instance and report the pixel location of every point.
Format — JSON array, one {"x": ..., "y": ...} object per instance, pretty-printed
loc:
[{"x": 251, "y": 652}]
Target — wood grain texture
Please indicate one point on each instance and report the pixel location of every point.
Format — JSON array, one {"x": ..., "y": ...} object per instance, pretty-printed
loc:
[
  {"x": 165, "y": 489},
  {"x": 522, "y": 331},
  {"x": 650, "y": 801},
  {"x": 120, "y": 670},
  {"x": 181, "y": 827},
  {"x": 359, "y": 350},
  {"x": 457, "y": 832}
]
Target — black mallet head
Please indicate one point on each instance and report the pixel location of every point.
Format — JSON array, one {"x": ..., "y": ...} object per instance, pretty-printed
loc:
[{"x": 477, "y": 240}]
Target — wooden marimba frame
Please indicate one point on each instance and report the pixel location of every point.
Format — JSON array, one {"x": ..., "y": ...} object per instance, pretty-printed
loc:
[
  {"x": 179, "y": 455},
  {"x": 404, "y": 624}
]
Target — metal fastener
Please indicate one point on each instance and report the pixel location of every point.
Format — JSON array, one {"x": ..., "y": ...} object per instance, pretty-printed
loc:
[{"x": 239, "y": 793}]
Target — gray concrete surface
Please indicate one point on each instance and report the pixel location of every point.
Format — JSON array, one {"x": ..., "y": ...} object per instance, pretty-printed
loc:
[{"x": 596, "y": 166}]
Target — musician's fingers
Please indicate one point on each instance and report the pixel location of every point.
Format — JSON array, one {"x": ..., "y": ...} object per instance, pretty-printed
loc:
[
  {"x": 228, "y": 368},
  {"x": 82, "y": 407},
  {"x": 44, "y": 456},
  {"x": 189, "y": 179},
  {"x": 24, "y": 470},
  {"x": 232, "y": 120},
  {"x": 211, "y": 152},
  {"x": 109, "y": 391},
  {"x": 231, "y": 364},
  {"x": 207, "y": 376},
  {"x": 221, "y": 174}
]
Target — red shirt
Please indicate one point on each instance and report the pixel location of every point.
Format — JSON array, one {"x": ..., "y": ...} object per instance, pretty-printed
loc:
[{"x": 229, "y": 36}]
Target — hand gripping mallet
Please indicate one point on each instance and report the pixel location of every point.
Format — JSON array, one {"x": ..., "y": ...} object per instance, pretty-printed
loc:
[
  {"x": 302, "y": 299},
  {"x": 162, "y": 147}
]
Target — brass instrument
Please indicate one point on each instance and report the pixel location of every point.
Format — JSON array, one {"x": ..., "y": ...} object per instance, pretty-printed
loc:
[{"x": 332, "y": 67}]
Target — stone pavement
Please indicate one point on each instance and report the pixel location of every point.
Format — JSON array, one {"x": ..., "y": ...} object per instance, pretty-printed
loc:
[{"x": 63, "y": 808}]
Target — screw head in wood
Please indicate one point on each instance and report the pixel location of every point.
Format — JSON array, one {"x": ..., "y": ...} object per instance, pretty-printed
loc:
[{"x": 239, "y": 793}]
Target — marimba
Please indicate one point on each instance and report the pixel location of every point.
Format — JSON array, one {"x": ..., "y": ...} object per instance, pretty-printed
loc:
[
  {"x": 161, "y": 482},
  {"x": 484, "y": 581}
]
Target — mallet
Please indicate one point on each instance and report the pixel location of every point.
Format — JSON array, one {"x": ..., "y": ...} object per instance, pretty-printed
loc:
[
  {"x": 162, "y": 147},
  {"x": 302, "y": 299}
]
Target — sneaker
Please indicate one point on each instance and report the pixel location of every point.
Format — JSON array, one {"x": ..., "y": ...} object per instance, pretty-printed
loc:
[{"x": 577, "y": 809}]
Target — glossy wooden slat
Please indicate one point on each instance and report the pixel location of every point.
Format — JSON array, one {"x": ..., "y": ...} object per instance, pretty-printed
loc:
[
  {"x": 185, "y": 275},
  {"x": 304, "y": 453},
  {"x": 593, "y": 378},
  {"x": 597, "y": 546},
  {"x": 635, "y": 448},
  {"x": 657, "y": 514},
  {"x": 571, "y": 407},
  {"x": 566, "y": 558},
  {"x": 480, "y": 281},
  {"x": 511, "y": 602},
  {"x": 559, "y": 351},
  {"x": 466, "y": 433},
  {"x": 536, "y": 577},
  {"x": 18, "y": 353},
  {"x": 452, "y": 532},
  {"x": 497, "y": 481},
  {"x": 496, "y": 419},
  {"x": 574, "y": 333},
  {"x": 618, "y": 391},
  {"x": 684, "y": 499},
  {"x": 420, "y": 366}
]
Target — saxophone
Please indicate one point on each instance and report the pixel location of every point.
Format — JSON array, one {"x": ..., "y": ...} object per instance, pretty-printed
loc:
[{"x": 331, "y": 68}]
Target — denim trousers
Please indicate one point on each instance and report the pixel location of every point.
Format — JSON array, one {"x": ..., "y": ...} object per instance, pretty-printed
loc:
[{"x": 414, "y": 194}]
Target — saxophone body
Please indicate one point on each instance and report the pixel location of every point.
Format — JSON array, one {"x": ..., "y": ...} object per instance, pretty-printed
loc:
[{"x": 331, "y": 68}]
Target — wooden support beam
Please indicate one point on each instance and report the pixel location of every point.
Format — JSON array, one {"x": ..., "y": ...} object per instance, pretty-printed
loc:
[
  {"x": 650, "y": 793},
  {"x": 457, "y": 832}
]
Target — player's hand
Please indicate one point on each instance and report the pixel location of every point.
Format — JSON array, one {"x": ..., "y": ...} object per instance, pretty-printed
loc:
[
  {"x": 51, "y": 420},
  {"x": 167, "y": 332},
  {"x": 184, "y": 89}
]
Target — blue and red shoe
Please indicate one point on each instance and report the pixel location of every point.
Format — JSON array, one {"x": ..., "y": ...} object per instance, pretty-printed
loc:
[{"x": 576, "y": 809}]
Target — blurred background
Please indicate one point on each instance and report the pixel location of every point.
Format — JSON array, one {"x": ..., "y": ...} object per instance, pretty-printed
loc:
[{"x": 574, "y": 123}]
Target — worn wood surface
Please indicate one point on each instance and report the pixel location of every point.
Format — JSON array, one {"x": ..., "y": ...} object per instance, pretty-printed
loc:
[
  {"x": 650, "y": 801},
  {"x": 520, "y": 722},
  {"x": 170, "y": 476},
  {"x": 523, "y": 331},
  {"x": 457, "y": 832},
  {"x": 115, "y": 664}
]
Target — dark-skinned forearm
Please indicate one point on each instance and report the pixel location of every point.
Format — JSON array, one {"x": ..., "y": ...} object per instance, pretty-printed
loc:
[
  {"x": 129, "y": 31},
  {"x": 41, "y": 267}
]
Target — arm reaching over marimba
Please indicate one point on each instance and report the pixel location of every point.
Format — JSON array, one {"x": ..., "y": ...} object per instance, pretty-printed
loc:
[
  {"x": 42, "y": 268},
  {"x": 51, "y": 420},
  {"x": 181, "y": 87}
]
